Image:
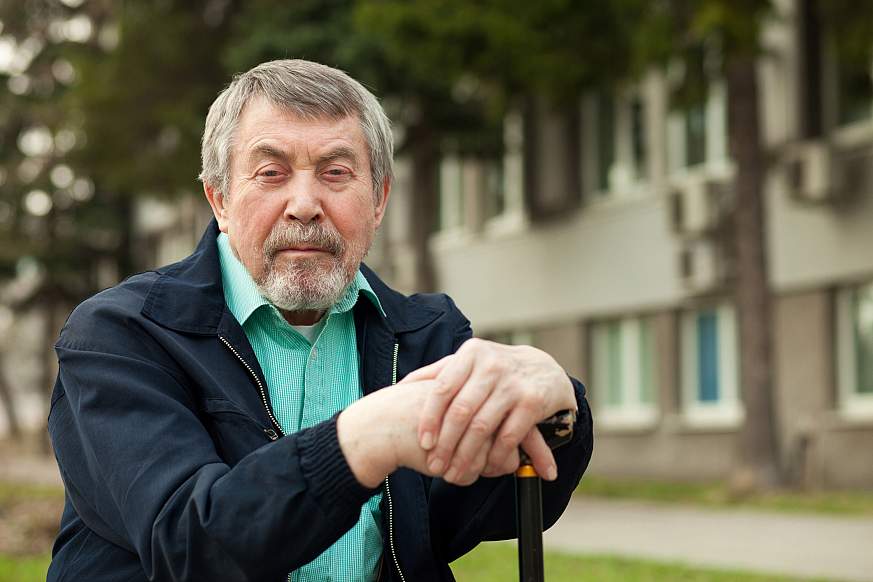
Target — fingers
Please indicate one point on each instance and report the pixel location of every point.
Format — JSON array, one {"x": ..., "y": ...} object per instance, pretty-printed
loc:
[
  {"x": 473, "y": 470},
  {"x": 428, "y": 372},
  {"x": 462, "y": 417},
  {"x": 514, "y": 429},
  {"x": 479, "y": 433},
  {"x": 454, "y": 374},
  {"x": 540, "y": 455}
]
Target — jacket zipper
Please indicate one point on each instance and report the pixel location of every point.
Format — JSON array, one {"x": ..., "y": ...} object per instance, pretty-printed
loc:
[
  {"x": 274, "y": 434},
  {"x": 276, "y": 431},
  {"x": 388, "y": 487}
]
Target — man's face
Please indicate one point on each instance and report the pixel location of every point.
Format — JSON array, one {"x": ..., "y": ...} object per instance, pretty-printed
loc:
[{"x": 301, "y": 213}]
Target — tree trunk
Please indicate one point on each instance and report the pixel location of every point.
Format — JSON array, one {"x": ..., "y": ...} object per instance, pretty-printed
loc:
[
  {"x": 51, "y": 327},
  {"x": 759, "y": 464},
  {"x": 8, "y": 402},
  {"x": 423, "y": 207}
]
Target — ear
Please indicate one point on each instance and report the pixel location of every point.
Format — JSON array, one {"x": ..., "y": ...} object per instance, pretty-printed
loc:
[
  {"x": 219, "y": 207},
  {"x": 383, "y": 202}
]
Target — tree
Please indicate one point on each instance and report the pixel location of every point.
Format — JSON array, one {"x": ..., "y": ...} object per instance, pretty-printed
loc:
[
  {"x": 357, "y": 36},
  {"x": 562, "y": 48},
  {"x": 103, "y": 103}
]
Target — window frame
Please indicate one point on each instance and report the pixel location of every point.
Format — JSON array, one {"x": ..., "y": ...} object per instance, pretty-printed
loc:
[
  {"x": 632, "y": 411},
  {"x": 851, "y": 402},
  {"x": 626, "y": 176},
  {"x": 727, "y": 411}
]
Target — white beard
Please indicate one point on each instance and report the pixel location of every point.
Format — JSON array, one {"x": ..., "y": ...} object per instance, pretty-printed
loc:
[{"x": 308, "y": 284}]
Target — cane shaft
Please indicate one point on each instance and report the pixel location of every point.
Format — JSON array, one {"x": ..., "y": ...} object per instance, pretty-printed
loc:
[{"x": 529, "y": 499}]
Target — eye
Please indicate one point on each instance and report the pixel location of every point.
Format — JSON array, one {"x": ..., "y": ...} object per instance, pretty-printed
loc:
[
  {"x": 271, "y": 173},
  {"x": 336, "y": 173}
]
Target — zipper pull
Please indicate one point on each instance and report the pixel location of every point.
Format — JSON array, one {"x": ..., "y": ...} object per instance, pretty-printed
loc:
[{"x": 271, "y": 434}]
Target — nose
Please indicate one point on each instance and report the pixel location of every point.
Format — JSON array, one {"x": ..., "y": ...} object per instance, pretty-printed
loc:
[{"x": 303, "y": 202}]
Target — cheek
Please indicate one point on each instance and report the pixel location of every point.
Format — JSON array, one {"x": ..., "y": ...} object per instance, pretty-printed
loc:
[
  {"x": 249, "y": 232},
  {"x": 355, "y": 221}
]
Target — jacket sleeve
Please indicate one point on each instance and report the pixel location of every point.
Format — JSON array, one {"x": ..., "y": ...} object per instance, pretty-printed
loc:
[
  {"x": 141, "y": 471},
  {"x": 461, "y": 517}
]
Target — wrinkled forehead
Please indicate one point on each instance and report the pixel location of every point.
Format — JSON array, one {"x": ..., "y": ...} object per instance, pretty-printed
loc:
[{"x": 262, "y": 118}]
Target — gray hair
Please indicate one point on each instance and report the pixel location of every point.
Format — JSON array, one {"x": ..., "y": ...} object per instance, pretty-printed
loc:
[{"x": 308, "y": 90}]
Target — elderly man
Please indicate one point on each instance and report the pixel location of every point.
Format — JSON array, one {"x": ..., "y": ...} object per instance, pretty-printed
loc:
[{"x": 238, "y": 416}]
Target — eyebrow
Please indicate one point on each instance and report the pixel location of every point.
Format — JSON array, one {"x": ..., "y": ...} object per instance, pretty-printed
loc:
[{"x": 265, "y": 150}]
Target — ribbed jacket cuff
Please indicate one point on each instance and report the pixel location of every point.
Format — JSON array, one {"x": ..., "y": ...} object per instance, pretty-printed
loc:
[{"x": 326, "y": 471}]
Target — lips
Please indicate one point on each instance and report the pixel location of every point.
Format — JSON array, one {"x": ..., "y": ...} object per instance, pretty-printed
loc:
[{"x": 305, "y": 250}]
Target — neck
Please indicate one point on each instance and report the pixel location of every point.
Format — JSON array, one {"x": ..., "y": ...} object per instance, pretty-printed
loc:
[{"x": 306, "y": 317}]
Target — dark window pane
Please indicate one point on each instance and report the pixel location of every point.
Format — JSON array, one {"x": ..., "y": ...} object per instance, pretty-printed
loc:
[
  {"x": 855, "y": 93},
  {"x": 495, "y": 202},
  {"x": 707, "y": 357},
  {"x": 863, "y": 309},
  {"x": 605, "y": 139},
  {"x": 695, "y": 135},
  {"x": 614, "y": 395},
  {"x": 638, "y": 139}
]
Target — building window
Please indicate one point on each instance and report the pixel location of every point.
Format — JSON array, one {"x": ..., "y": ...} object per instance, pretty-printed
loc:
[
  {"x": 495, "y": 194},
  {"x": 615, "y": 134},
  {"x": 694, "y": 118},
  {"x": 451, "y": 190},
  {"x": 697, "y": 122},
  {"x": 854, "y": 92},
  {"x": 624, "y": 374},
  {"x": 605, "y": 148},
  {"x": 855, "y": 349},
  {"x": 639, "y": 139},
  {"x": 709, "y": 367}
]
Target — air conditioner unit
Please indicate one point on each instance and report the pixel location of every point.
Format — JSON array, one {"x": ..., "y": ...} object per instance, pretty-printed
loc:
[
  {"x": 813, "y": 175},
  {"x": 702, "y": 266},
  {"x": 699, "y": 206},
  {"x": 857, "y": 171}
]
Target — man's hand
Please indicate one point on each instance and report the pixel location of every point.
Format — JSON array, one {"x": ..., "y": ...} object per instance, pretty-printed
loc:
[
  {"x": 485, "y": 403},
  {"x": 378, "y": 433}
]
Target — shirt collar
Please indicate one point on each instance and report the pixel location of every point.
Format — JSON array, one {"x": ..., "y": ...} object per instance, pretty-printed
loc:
[{"x": 243, "y": 297}]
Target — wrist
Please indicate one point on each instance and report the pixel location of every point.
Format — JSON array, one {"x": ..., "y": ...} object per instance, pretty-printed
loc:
[{"x": 366, "y": 443}]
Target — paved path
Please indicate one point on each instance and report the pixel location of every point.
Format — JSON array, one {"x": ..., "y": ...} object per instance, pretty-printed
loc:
[{"x": 804, "y": 545}]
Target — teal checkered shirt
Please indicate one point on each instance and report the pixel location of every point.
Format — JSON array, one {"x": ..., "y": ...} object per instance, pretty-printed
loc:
[{"x": 308, "y": 383}]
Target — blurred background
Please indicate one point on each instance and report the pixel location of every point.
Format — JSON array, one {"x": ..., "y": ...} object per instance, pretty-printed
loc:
[{"x": 672, "y": 197}]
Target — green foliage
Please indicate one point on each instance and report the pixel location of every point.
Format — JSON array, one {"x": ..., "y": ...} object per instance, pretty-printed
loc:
[
  {"x": 850, "y": 26},
  {"x": 143, "y": 104}
]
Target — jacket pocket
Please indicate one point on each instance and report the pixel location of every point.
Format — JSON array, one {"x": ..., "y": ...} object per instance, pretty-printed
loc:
[{"x": 235, "y": 432}]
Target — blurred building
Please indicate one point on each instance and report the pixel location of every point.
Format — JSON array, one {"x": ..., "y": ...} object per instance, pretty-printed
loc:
[{"x": 599, "y": 236}]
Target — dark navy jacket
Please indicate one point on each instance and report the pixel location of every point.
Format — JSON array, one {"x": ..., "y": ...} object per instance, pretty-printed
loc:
[{"x": 174, "y": 469}]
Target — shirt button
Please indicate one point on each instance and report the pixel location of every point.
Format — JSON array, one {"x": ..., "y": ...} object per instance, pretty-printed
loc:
[{"x": 314, "y": 353}]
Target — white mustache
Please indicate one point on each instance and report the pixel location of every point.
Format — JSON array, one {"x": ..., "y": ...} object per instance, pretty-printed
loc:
[{"x": 295, "y": 234}]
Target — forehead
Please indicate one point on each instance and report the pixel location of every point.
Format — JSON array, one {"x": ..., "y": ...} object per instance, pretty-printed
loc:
[{"x": 264, "y": 122}]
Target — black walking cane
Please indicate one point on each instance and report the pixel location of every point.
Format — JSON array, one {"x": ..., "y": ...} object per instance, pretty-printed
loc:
[{"x": 556, "y": 430}]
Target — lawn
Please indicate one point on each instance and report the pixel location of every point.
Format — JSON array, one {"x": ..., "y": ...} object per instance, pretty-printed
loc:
[
  {"x": 718, "y": 495},
  {"x": 498, "y": 562},
  {"x": 23, "y": 569}
]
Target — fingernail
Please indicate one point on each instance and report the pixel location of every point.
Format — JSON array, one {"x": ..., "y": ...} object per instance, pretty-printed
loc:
[
  {"x": 451, "y": 475},
  {"x": 436, "y": 466},
  {"x": 427, "y": 441},
  {"x": 551, "y": 473}
]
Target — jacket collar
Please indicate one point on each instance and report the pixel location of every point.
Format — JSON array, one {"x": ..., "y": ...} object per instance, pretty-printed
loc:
[{"x": 188, "y": 296}]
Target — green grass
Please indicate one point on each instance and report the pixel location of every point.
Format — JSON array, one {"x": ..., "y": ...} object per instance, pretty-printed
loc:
[
  {"x": 11, "y": 493},
  {"x": 718, "y": 495},
  {"x": 23, "y": 569},
  {"x": 498, "y": 562}
]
